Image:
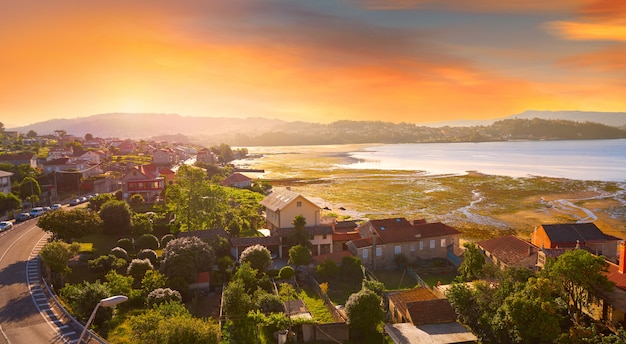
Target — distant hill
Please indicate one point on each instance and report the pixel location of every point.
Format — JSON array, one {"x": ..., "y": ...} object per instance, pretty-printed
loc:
[
  {"x": 614, "y": 119},
  {"x": 259, "y": 131},
  {"x": 136, "y": 125}
]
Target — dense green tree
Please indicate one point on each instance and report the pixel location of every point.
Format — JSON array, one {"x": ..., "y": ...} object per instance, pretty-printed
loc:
[
  {"x": 70, "y": 224},
  {"x": 119, "y": 284},
  {"x": 136, "y": 200},
  {"x": 120, "y": 253},
  {"x": 31, "y": 133},
  {"x": 116, "y": 217},
  {"x": 105, "y": 263},
  {"x": 149, "y": 254},
  {"x": 95, "y": 203},
  {"x": 258, "y": 256},
  {"x": 286, "y": 272},
  {"x": 375, "y": 286},
  {"x": 299, "y": 255},
  {"x": 153, "y": 280},
  {"x": 299, "y": 235},
  {"x": 472, "y": 264},
  {"x": 83, "y": 298},
  {"x": 327, "y": 269},
  {"x": 163, "y": 295},
  {"x": 56, "y": 255},
  {"x": 9, "y": 202},
  {"x": 365, "y": 312},
  {"x": 248, "y": 276},
  {"x": 581, "y": 277},
  {"x": 236, "y": 300},
  {"x": 88, "y": 137},
  {"x": 141, "y": 224},
  {"x": 196, "y": 203},
  {"x": 30, "y": 187},
  {"x": 185, "y": 257},
  {"x": 268, "y": 303},
  {"x": 351, "y": 268}
]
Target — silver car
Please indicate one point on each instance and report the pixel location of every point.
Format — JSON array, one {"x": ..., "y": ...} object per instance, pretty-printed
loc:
[{"x": 4, "y": 225}]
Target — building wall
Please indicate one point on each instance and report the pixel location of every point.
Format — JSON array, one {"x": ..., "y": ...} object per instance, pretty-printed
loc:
[
  {"x": 539, "y": 238},
  {"x": 300, "y": 206},
  {"x": 322, "y": 245},
  {"x": 5, "y": 184}
]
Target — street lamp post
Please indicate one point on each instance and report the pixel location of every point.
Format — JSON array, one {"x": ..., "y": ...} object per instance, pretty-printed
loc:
[{"x": 108, "y": 302}]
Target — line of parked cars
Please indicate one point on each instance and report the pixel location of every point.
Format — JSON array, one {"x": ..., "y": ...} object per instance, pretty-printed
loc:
[
  {"x": 77, "y": 201},
  {"x": 35, "y": 212}
]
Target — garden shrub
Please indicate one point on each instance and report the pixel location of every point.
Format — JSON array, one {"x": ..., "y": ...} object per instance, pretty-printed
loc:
[
  {"x": 162, "y": 295},
  {"x": 126, "y": 244},
  {"x": 167, "y": 238},
  {"x": 148, "y": 254},
  {"x": 148, "y": 241},
  {"x": 120, "y": 253},
  {"x": 286, "y": 272},
  {"x": 138, "y": 267}
]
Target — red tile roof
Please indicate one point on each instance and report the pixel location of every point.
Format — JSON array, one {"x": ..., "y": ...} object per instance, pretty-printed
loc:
[
  {"x": 616, "y": 277},
  {"x": 235, "y": 178},
  {"x": 437, "y": 311},
  {"x": 509, "y": 249},
  {"x": 365, "y": 242},
  {"x": 401, "y": 230}
]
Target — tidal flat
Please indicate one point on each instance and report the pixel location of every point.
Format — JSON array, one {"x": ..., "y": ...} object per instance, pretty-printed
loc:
[{"x": 481, "y": 206}]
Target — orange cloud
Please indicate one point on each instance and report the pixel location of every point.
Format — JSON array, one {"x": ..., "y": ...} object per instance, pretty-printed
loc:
[{"x": 586, "y": 31}]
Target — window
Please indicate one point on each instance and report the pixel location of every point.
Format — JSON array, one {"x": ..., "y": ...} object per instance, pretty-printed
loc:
[
  {"x": 432, "y": 244},
  {"x": 398, "y": 250},
  {"x": 365, "y": 253},
  {"x": 443, "y": 242},
  {"x": 324, "y": 237},
  {"x": 379, "y": 251},
  {"x": 298, "y": 204},
  {"x": 421, "y": 245},
  {"x": 412, "y": 247}
]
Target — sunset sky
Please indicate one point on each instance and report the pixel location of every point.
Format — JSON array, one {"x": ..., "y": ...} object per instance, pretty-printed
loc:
[{"x": 318, "y": 60}]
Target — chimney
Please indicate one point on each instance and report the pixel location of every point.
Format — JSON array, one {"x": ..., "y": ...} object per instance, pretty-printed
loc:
[{"x": 622, "y": 257}]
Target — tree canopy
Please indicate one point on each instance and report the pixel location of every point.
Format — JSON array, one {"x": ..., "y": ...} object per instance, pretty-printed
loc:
[
  {"x": 258, "y": 256},
  {"x": 116, "y": 217},
  {"x": 70, "y": 224},
  {"x": 185, "y": 257}
]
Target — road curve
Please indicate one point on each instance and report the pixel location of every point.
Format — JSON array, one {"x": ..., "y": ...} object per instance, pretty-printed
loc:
[{"x": 22, "y": 320}]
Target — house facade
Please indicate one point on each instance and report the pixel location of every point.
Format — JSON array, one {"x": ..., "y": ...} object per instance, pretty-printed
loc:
[
  {"x": 164, "y": 157},
  {"x": 282, "y": 206},
  {"x": 568, "y": 236},
  {"x": 143, "y": 183},
  {"x": 5, "y": 182},
  {"x": 20, "y": 159},
  {"x": 382, "y": 240}
]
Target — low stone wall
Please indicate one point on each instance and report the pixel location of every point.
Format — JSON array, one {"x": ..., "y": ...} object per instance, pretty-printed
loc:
[{"x": 334, "y": 332}]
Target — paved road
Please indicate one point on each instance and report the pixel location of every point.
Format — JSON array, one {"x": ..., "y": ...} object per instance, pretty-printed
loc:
[{"x": 25, "y": 313}]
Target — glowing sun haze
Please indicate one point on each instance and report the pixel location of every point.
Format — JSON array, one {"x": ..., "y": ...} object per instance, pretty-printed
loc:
[{"x": 319, "y": 60}]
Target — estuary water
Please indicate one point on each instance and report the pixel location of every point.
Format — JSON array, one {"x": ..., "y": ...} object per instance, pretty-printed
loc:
[{"x": 601, "y": 160}]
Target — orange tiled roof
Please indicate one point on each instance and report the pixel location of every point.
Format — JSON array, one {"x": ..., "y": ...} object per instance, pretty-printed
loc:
[
  {"x": 437, "y": 311},
  {"x": 509, "y": 249}
]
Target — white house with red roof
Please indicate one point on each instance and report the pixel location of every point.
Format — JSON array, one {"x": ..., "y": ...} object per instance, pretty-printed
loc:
[{"x": 237, "y": 180}]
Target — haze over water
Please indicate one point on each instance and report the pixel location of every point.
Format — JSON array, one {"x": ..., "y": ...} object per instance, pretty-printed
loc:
[{"x": 603, "y": 160}]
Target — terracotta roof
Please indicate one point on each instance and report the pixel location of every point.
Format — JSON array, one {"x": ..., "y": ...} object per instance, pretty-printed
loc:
[
  {"x": 250, "y": 241},
  {"x": 235, "y": 178},
  {"x": 431, "y": 312},
  {"x": 281, "y": 198},
  {"x": 401, "y": 230},
  {"x": 154, "y": 170},
  {"x": 572, "y": 232},
  {"x": 317, "y": 230},
  {"x": 365, "y": 242},
  {"x": 616, "y": 277},
  {"x": 402, "y": 298},
  {"x": 18, "y": 156},
  {"x": 509, "y": 249}
]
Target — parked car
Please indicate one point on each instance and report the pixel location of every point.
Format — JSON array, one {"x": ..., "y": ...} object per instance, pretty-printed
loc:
[
  {"x": 46, "y": 209},
  {"x": 56, "y": 206},
  {"x": 74, "y": 202},
  {"x": 83, "y": 199},
  {"x": 4, "y": 225},
  {"x": 37, "y": 211},
  {"x": 22, "y": 217}
]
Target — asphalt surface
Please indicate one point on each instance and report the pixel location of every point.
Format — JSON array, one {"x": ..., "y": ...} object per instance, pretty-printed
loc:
[{"x": 28, "y": 314}]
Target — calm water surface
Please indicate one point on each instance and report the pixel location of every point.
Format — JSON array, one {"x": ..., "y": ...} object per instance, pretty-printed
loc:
[{"x": 603, "y": 160}]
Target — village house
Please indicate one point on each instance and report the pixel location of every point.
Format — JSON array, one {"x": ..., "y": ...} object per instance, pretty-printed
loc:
[
  {"x": 205, "y": 155},
  {"x": 5, "y": 182},
  {"x": 510, "y": 251},
  {"x": 419, "y": 316},
  {"x": 20, "y": 159},
  {"x": 237, "y": 180},
  {"x": 164, "y": 156},
  {"x": 568, "y": 236},
  {"x": 282, "y": 206},
  {"x": 60, "y": 152},
  {"x": 66, "y": 165},
  {"x": 382, "y": 240},
  {"x": 147, "y": 182}
]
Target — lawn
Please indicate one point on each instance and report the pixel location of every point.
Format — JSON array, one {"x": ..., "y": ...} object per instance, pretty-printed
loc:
[
  {"x": 395, "y": 279},
  {"x": 433, "y": 280}
]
